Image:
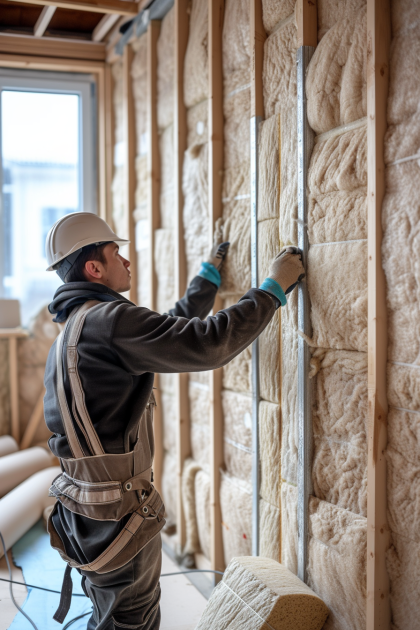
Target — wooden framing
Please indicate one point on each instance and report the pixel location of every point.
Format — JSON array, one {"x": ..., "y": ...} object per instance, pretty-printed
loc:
[
  {"x": 109, "y": 141},
  {"x": 154, "y": 216},
  {"x": 258, "y": 37},
  {"x": 180, "y": 145},
  {"x": 122, "y": 7},
  {"x": 34, "y": 421},
  {"x": 130, "y": 165},
  {"x": 307, "y": 24},
  {"x": 44, "y": 19},
  {"x": 378, "y": 40},
  {"x": 12, "y": 335},
  {"x": 215, "y": 123},
  {"x": 102, "y": 29},
  {"x": 54, "y": 47}
]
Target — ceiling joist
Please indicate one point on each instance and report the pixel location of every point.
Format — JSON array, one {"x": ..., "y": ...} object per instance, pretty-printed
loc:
[
  {"x": 43, "y": 20},
  {"x": 120, "y": 7},
  {"x": 104, "y": 26}
]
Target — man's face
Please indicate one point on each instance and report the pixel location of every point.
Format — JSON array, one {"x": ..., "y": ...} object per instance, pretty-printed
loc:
[{"x": 115, "y": 274}]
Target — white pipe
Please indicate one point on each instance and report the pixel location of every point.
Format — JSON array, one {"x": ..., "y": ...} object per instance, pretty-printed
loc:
[
  {"x": 17, "y": 467},
  {"x": 23, "y": 507},
  {"x": 8, "y": 445}
]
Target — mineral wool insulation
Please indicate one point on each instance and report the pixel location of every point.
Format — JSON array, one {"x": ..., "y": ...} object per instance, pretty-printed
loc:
[
  {"x": 401, "y": 220},
  {"x": 337, "y": 281}
]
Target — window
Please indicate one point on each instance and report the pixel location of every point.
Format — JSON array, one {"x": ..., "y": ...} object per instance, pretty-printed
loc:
[{"x": 47, "y": 170}]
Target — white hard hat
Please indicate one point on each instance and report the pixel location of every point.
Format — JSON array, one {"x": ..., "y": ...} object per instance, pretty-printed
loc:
[{"x": 74, "y": 231}]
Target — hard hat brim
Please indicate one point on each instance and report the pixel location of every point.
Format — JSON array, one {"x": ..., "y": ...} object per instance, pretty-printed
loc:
[{"x": 84, "y": 243}]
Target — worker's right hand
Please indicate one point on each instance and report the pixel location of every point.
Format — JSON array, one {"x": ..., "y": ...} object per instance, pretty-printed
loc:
[{"x": 287, "y": 268}]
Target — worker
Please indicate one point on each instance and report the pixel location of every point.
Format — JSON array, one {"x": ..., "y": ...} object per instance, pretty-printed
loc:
[{"x": 99, "y": 406}]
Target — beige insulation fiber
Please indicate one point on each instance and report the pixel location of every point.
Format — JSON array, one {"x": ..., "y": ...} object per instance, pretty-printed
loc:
[
  {"x": 402, "y": 140},
  {"x": 236, "y": 270},
  {"x": 237, "y": 373},
  {"x": 236, "y": 507},
  {"x": 195, "y": 210},
  {"x": 269, "y": 168},
  {"x": 197, "y": 123},
  {"x": 169, "y": 487},
  {"x": 289, "y": 362},
  {"x": 166, "y": 71},
  {"x": 143, "y": 262},
  {"x": 167, "y": 172},
  {"x": 279, "y": 71},
  {"x": 236, "y": 37},
  {"x": 337, "y": 216},
  {"x": 400, "y": 216},
  {"x": 202, "y": 502},
  {"x": 142, "y": 188},
  {"x": 118, "y": 202},
  {"x": 288, "y": 174},
  {"x": 164, "y": 265},
  {"x": 140, "y": 91},
  {"x": 237, "y": 413},
  {"x": 168, "y": 402},
  {"x": 4, "y": 388},
  {"x": 337, "y": 564},
  {"x": 274, "y": 11},
  {"x": 270, "y": 531},
  {"x": 237, "y": 112},
  {"x": 199, "y": 400},
  {"x": 117, "y": 76},
  {"x": 337, "y": 283},
  {"x": 189, "y": 473},
  {"x": 257, "y": 593},
  {"x": 332, "y": 11},
  {"x": 196, "y": 71},
  {"x": 339, "y": 467},
  {"x": 269, "y": 433},
  {"x": 403, "y": 386},
  {"x": 336, "y": 79},
  {"x": 269, "y": 353},
  {"x": 16, "y": 467},
  {"x": 403, "y": 564},
  {"x": 289, "y": 526}
]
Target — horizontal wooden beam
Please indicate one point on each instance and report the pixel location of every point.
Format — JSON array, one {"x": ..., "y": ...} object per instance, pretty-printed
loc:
[
  {"x": 51, "y": 47},
  {"x": 102, "y": 29},
  {"x": 94, "y": 6},
  {"x": 43, "y": 20}
]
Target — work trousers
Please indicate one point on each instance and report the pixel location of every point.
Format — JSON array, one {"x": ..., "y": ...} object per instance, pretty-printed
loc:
[{"x": 128, "y": 597}]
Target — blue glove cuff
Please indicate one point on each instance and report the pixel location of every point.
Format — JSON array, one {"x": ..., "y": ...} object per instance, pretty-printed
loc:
[
  {"x": 271, "y": 286},
  {"x": 210, "y": 273}
]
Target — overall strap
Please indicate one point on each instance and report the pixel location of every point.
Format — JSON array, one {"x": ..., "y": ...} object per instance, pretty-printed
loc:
[{"x": 78, "y": 393}]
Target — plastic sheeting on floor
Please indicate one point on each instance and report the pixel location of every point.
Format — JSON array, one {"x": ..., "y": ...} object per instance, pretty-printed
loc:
[{"x": 42, "y": 566}]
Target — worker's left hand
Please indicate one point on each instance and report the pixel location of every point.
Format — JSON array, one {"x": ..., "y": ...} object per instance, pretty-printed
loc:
[{"x": 220, "y": 247}]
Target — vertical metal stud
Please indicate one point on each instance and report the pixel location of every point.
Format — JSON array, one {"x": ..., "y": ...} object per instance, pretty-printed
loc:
[{"x": 304, "y": 479}]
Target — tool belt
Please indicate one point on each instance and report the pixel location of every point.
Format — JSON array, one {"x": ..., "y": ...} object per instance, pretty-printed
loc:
[{"x": 99, "y": 485}]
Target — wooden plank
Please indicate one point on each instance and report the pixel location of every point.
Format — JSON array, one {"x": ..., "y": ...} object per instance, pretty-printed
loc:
[
  {"x": 101, "y": 145},
  {"x": 109, "y": 141},
  {"x": 379, "y": 38},
  {"x": 180, "y": 145},
  {"x": 258, "y": 37},
  {"x": 122, "y": 7},
  {"x": 58, "y": 64},
  {"x": 43, "y": 20},
  {"x": 51, "y": 47},
  {"x": 102, "y": 29},
  {"x": 14, "y": 389},
  {"x": 130, "y": 166},
  {"x": 307, "y": 24},
  {"x": 36, "y": 416},
  {"x": 153, "y": 169},
  {"x": 215, "y": 118},
  {"x": 8, "y": 333}
]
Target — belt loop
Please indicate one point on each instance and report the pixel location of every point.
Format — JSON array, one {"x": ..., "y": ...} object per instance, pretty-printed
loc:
[{"x": 65, "y": 597}]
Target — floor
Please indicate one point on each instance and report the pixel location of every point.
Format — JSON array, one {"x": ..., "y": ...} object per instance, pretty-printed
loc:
[{"x": 182, "y": 604}]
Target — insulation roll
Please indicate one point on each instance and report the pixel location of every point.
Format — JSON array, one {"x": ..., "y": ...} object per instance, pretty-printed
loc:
[
  {"x": 166, "y": 71},
  {"x": 337, "y": 283},
  {"x": 23, "y": 507},
  {"x": 190, "y": 470},
  {"x": 269, "y": 168},
  {"x": 17, "y": 467},
  {"x": 236, "y": 507},
  {"x": 257, "y": 593},
  {"x": 279, "y": 71},
  {"x": 7, "y": 445},
  {"x": 196, "y": 71},
  {"x": 337, "y": 563},
  {"x": 4, "y": 387},
  {"x": 270, "y": 531}
]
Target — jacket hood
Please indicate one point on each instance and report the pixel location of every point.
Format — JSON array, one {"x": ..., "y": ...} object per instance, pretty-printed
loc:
[{"x": 74, "y": 293}]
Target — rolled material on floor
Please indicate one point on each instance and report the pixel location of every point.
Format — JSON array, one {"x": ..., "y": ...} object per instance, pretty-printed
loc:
[
  {"x": 17, "y": 467},
  {"x": 8, "y": 445},
  {"x": 261, "y": 593},
  {"x": 23, "y": 507}
]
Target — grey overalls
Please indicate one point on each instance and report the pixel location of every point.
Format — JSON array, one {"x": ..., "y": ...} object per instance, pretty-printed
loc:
[{"x": 101, "y": 486}]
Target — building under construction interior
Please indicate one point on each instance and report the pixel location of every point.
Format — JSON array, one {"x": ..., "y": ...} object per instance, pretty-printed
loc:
[{"x": 294, "y": 470}]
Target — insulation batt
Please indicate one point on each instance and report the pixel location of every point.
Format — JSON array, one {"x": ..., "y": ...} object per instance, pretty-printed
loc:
[
  {"x": 337, "y": 216},
  {"x": 237, "y": 413},
  {"x": 168, "y": 402},
  {"x": 236, "y": 507},
  {"x": 403, "y": 386},
  {"x": 269, "y": 167},
  {"x": 166, "y": 71},
  {"x": 195, "y": 210},
  {"x": 332, "y": 11},
  {"x": 4, "y": 388},
  {"x": 257, "y": 593},
  {"x": 289, "y": 526},
  {"x": 276, "y": 10},
  {"x": 196, "y": 71},
  {"x": 270, "y": 531},
  {"x": 400, "y": 217},
  {"x": 403, "y": 564},
  {"x": 140, "y": 91},
  {"x": 237, "y": 112},
  {"x": 236, "y": 186},
  {"x": 118, "y": 201},
  {"x": 199, "y": 400},
  {"x": 279, "y": 71},
  {"x": 237, "y": 373},
  {"x": 269, "y": 433},
  {"x": 289, "y": 362},
  {"x": 339, "y": 467},
  {"x": 288, "y": 177},
  {"x": 236, "y": 270},
  {"x": 404, "y": 93},
  {"x": 143, "y": 275},
  {"x": 336, "y": 79},
  {"x": 197, "y": 123},
  {"x": 202, "y": 502},
  {"x": 142, "y": 188},
  {"x": 164, "y": 265},
  {"x": 236, "y": 37},
  {"x": 169, "y": 487},
  {"x": 337, "y": 564},
  {"x": 403, "y": 139},
  {"x": 166, "y": 150},
  {"x": 338, "y": 295},
  {"x": 189, "y": 473}
]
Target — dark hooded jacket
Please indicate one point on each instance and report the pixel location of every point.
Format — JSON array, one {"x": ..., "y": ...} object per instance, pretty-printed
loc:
[{"x": 120, "y": 349}]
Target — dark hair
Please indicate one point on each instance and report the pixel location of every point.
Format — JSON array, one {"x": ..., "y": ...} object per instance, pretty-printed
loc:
[{"x": 89, "y": 252}]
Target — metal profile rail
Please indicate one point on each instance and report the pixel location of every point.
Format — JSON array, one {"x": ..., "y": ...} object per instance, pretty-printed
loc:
[
  {"x": 304, "y": 479},
  {"x": 255, "y": 121}
]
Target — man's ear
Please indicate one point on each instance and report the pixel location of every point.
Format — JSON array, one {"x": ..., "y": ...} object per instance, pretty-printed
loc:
[{"x": 93, "y": 269}]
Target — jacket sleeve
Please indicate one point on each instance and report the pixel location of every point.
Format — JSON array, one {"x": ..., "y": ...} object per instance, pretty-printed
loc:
[
  {"x": 145, "y": 341},
  {"x": 197, "y": 301}
]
